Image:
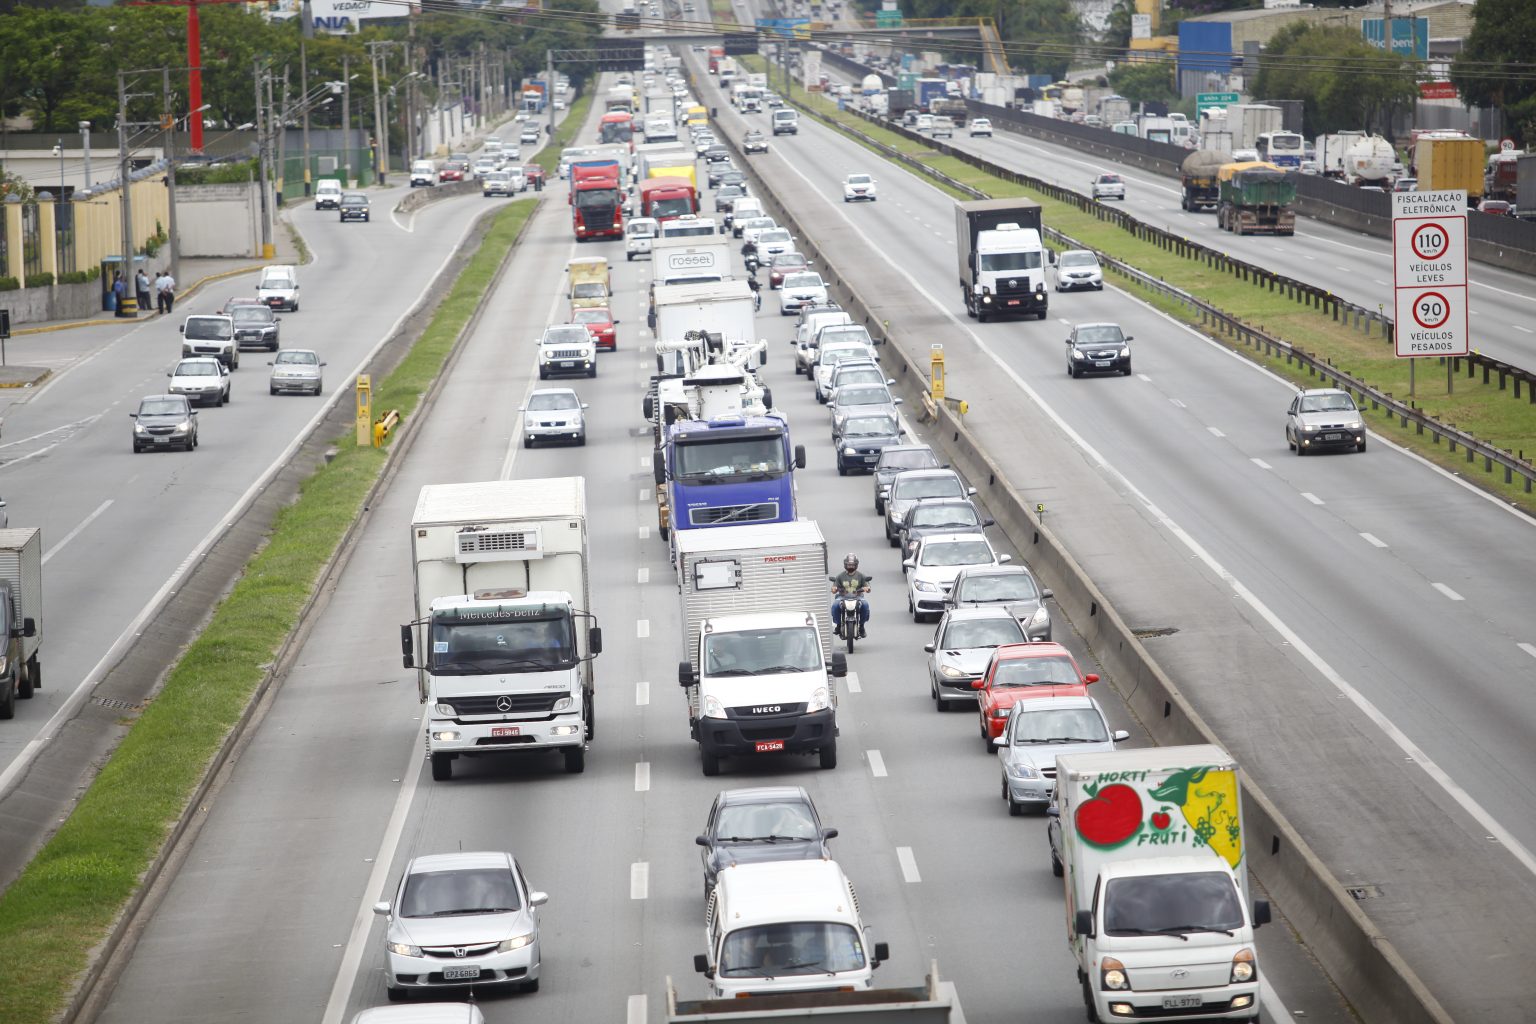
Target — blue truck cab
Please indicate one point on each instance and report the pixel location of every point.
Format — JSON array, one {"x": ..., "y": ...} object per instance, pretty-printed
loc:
[{"x": 729, "y": 470}]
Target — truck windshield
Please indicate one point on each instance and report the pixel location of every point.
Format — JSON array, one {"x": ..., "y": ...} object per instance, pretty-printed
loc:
[
  {"x": 1002, "y": 262},
  {"x": 209, "y": 329},
  {"x": 1172, "y": 904},
  {"x": 661, "y": 208},
  {"x": 597, "y": 198},
  {"x": 616, "y": 131},
  {"x": 762, "y": 652},
  {"x": 729, "y": 459},
  {"x": 801, "y": 948},
  {"x": 474, "y": 647}
]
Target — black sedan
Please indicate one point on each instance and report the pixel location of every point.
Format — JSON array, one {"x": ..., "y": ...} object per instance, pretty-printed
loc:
[
  {"x": 859, "y": 440},
  {"x": 717, "y": 154},
  {"x": 763, "y": 823},
  {"x": 1098, "y": 348},
  {"x": 734, "y": 177},
  {"x": 714, "y": 172},
  {"x": 725, "y": 195},
  {"x": 354, "y": 206},
  {"x": 937, "y": 515}
]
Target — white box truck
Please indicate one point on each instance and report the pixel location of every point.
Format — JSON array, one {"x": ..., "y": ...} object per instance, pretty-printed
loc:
[
  {"x": 21, "y": 615},
  {"x": 1001, "y": 257},
  {"x": 504, "y": 634},
  {"x": 691, "y": 260},
  {"x": 1159, "y": 916},
  {"x": 758, "y": 674}
]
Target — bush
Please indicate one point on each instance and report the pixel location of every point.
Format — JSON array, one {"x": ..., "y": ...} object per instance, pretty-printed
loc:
[
  {"x": 77, "y": 277},
  {"x": 224, "y": 174},
  {"x": 9, "y": 284},
  {"x": 42, "y": 280}
]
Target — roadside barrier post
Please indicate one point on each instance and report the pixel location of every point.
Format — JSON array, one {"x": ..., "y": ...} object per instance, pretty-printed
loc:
[{"x": 364, "y": 410}]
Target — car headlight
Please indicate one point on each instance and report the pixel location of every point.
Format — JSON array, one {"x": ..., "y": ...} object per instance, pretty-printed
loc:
[
  {"x": 713, "y": 708},
  {"x": 1023, "y": 771},
  {"x": 1125, "y": 350},
  {"x": 184, "y": 426},
  {"x": 403, "y": 949},
  {"x": 1042, "y": 617},
  {"x": 925, "y": 587},
  {"x": 564, "y": 704},
  {"x": 515, "y": 942},
  {"x": 1077, "y": 353},
  {"x": 850, "y": 451},
  {"x": 1243, "y": 968},
  {"x": 950, "y": 672},
  {"x": 1356, "y": 425},
  {"x": 1113, "y": 974},
  {"x": 446, "y": 710},
  {"x": 139, "y": 428},
  {"x": 820, "y": 700}
]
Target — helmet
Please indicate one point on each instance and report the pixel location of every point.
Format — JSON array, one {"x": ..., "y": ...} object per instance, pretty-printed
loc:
[{"x": 850, "y": 561}]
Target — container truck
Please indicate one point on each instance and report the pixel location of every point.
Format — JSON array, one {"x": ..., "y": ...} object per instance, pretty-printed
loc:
[
  {"x": 1002, "y": 259},
  {"x": 1256, "y": 199},
  {"x": 504, "y": 635},
  {"x": 1114, "y": 109},
  {"x": 1445, "y": 161},
  {"x": 21, "y": 615},
  {"x": 760, "y": 673},
  {"x": 926, "y": 90},
  {"x": 1503, "y": 170},
  {"x": 665, "y": 198},
  {"x": 689, "y": 260},
  {"x": 1151, "y": 848},
  {"x": 1332, "y": 149},
  {"x": 1247, "y": 121},
  {"x": 1197, "y": 174}
]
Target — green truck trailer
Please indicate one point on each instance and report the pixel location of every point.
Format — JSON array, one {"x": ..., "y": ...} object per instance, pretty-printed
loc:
[{"x": 1256, "y": 199}]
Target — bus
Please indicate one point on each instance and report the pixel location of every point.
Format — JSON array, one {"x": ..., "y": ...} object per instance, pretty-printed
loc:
[{"x": 1283, "y": 149}]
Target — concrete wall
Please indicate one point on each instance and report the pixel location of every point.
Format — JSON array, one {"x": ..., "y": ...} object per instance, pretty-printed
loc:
[{"x": 219, "y": 220}]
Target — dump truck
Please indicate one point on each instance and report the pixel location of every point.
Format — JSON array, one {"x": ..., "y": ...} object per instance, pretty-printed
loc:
[
  {"x": 1443, "y": 161},
  {"x": 1202, "y": 189},
  {"x": 1256, "y": 199}
]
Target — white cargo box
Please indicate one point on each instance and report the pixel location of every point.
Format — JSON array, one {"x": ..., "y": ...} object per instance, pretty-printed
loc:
[{"x": 21, "y": 566}]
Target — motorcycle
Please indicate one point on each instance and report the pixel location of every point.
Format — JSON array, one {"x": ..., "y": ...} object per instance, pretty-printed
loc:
[{"x": 848, "y": 613}]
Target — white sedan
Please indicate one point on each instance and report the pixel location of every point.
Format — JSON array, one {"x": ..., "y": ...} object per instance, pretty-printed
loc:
[
  {"x": 802, "y": 289},
  {"x": 858, "y": 186},
  {"x": 980, "y": 126}
]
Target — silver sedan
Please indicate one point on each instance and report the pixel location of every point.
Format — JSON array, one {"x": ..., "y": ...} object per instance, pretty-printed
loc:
[
  {"x": 961, "y": 649},
  {"x": 296, "y": 370}
]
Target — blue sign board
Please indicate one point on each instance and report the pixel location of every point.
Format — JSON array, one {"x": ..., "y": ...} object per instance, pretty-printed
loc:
[
  {"x": 1410, "y": 36},
  {"x": 785, "y": 28}
]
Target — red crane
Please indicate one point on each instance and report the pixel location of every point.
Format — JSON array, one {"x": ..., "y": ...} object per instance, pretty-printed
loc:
[{"x": 194, "y": 60}]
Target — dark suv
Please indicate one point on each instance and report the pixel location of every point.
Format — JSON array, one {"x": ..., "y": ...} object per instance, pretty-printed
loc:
[{"x": 255, "y": 327}]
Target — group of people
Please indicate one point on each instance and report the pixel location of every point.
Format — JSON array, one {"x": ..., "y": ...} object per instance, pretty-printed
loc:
[{"x": 164, "y": 287}]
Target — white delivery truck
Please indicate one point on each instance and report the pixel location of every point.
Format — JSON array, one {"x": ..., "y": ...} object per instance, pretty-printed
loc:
[
  {"x": 758, "y": 676},
  {"x": 504, "y": 634},
  {"x": 690, "y": 260},
  {"x": 1159, "y": 916},
  {"x": 21, "y": 615},
  {"x": 778, "y": 927},
  {"x": 1002, "y": 259}
]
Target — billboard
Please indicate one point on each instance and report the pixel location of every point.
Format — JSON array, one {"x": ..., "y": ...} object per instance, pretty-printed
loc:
[{"x": 1410, "y": 36}]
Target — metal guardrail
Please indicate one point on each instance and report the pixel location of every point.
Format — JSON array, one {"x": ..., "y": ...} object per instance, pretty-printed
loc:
[{"x": 1230, "y": 327}]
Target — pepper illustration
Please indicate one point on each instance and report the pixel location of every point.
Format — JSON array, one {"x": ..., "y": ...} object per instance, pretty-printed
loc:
[{"x": 1208, "y": 800}]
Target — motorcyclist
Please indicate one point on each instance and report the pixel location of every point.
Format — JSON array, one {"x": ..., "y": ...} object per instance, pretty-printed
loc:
[
  {"x": 757, "y": 294},
  {"x": 749, "y": 252},
  {"x": 851, "y": 581}
]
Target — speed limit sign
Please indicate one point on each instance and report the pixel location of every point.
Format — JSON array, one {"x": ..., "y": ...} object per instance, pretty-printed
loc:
[
  {"x": 1432, "y": 321},
  {"x": 1429, "y": 257}
]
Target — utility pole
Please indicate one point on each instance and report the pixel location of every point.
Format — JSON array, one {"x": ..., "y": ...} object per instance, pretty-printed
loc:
[
  {"x": 262, "y": 168},
  {"x": 282, "y": 135},
  {"x": 549, "y": 88},
  {"x": 346, "y": 124},
  {"x": 410, "y": 88},
  {"x": 128, "y": 305},
  {"x": 442, "y": 97},
  {"x": 376, "y": 51},
  {"x": 306, "y": 29},
  {"x": 170, "y": 174},
  {"x": 85, "y": 132}
]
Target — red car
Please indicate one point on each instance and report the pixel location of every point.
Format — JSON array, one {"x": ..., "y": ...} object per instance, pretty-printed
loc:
[
  {"x": 785, "y": 263},
  {"x": 453, "y": 170},
  {"x": 1500, "y": 207},
  {"x": 1020, "y": 672},
  {"x": 533, "y": 174},
  {"x": 600, "y": 324}
]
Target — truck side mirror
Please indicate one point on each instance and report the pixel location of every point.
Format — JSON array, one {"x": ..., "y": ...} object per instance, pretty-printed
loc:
[
  {"x": 659, "y": 467},
  {"x": 595, "y": 639},
  {"x": 799, "y": 456},
  {"x": 29, "y": 627},
  {"x": 701, "y": 841},
  {"x": 701, "y": 964},
  {"x": 768, "y": 402},
  {"x": 1082, "y": 923},
  {"x": 407, "y": 646},
  {"x": 1260, "y": 912},
  {"x": 685, "y": 676},
  {"x": 839, "y": 664},
  {"x": 882, "y": 954}
]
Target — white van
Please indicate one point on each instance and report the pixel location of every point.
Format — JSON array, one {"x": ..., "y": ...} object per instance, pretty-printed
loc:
[
  {"x": 639, "y": 233},
  {"x": 785, "y": 926},
  {"x": 327, "y": 194},
  {"x": 423, "y": 172},
  {"x": 786, "y": 121}
]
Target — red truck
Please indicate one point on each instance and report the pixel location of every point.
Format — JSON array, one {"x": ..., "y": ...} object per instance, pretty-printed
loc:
[
  {"x": 597, "y": 209},
  {"x": 716, "y": 55},
  {"x": 668, "y": 198}
]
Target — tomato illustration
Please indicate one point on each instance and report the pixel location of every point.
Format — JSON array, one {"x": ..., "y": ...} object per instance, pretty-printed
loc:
[{"x": 1110, "y": 817}]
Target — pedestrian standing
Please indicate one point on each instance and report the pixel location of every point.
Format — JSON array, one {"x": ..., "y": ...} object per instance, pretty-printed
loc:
[
  {"x": 141, "y": 289},
  {"x": 118, "y": 292},
  {"x": 162, "y": 281},
  {"x": 168, "y": 290}
]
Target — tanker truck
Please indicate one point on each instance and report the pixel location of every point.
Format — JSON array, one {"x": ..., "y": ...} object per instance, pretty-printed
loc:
[{"x": 1369, "y": 161}]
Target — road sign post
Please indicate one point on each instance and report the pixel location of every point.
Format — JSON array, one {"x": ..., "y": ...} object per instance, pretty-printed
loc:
[{"x": 1429, "y": 264}]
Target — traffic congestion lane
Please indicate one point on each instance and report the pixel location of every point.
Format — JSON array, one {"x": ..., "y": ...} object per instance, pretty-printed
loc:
[{"x": 1360, "y": 746}]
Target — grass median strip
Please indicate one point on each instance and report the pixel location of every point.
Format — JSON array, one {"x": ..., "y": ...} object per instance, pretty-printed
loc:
[
  {"x": 1482, "y": 410},
  {"x": 66, "y": 900}
]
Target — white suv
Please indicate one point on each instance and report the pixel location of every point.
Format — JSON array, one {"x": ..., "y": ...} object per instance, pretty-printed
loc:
[
  {"x": 567, "y": 350},
  {"x": 980, "y": 126},
  {"x": 1108, "y": 186}
]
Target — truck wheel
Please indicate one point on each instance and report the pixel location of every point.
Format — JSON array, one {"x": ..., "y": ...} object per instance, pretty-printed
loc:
[
  {"x": 575, "y": 760},
  {"x": 1056, "y": 868},
  {"x": 442, "y": 767},
  {"x": 666, "y": 532},
  {"x": 829, "y": 755},
  {"x": 710, "y": 763},
  {"x": 23, "y": 683},
  {"x": 35, "y": 670},
  {"x": 1093, "y": 1013}
]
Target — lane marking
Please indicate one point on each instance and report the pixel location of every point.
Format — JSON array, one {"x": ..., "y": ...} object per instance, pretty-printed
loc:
[
  {"x": 1528, "y": 649},
  {"x": 642, "y": 776},
  {"x": 1144, "y": 377},
  {"x": 1261, "y": 463},
  {"x": 642, "y": 694},
  {"x": 645, "y": 494},
  {"x": 1526, "y": 330},
  {"x": 1215, "y": 432},
  {"x": 635, "y": 1011},
  {"x": 1178, "y": 403},
  {"x": 642, "y": 628},
  {"x": 643, "y": 575},
  {"x": 72, "y": 534},
  {"x": 853, "y": 682},
  {"x": 645, "y": 462},
  {"x": 908, "y": 862},
  {"x": 644, "y": 532},
  {"x": 1314, "y": 499},
  {"x": 1448, "y": 592},
  {"x": 876, "y": 764},
  {"x": 639, "y": 880},
  {"x": 1373, "y": 540}
]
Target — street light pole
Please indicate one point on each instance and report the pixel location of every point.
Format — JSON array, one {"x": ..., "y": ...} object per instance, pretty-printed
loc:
[
  {"x": 128, "y": 304},
  {"x": 85, "y": 132},
  {"x": 262, "y": 169},
  {"x": 346, "y": 124},
  {"x": 304, "y": 90},
  {"x": 170, "y": 176}
]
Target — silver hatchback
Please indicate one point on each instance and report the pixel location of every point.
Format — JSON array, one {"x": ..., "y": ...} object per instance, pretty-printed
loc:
[
  {"x": 296, "y": 371},
  {"x": 962, "y": 648},
  {"x": 554, "y": 414}
]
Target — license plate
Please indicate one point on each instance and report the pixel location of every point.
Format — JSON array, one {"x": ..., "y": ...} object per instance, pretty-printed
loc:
[
  {"x": 1101, "y": 362},
  {"x": 769, "y": 746},
  {"x": 460, "y": 973},
  {"x": 162, "y": 440},
  {"x": 1332, "y": 437},
  {"x": 1181, "y": 1002},
  {"x": 566, "y": 364},
  {"x": 1013, "y": 302},
  {"x": 506, "y": 730}
]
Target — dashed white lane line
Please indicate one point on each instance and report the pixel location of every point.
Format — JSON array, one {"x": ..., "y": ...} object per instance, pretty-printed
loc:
[
  {"x": 644, "y": 532},
  {"x": 1448, "y": 592},
  {"x": 853, "y": 683},
  {"x": 908, "y": 863},
  {"x": 645, "y": 494},
  {"x": 876, "y": 764},
  {"x": 639, "y": 880},
  {"x": 643, "y": 575},
  {"x": 1215, "y": 432},
  {"x": 642, "y": 776},
  {"x": 1373, "y": 540},
  {"x": 1337, "y": 267},
  {"x": 1314, "y": 499},
  {"x": 72, "y": 534},
  {"x": 642, "y": 628},
  {"x": 1178, "y": 403},
  {"x": 1144, "y": 377},
  {"x": 635, "y": 1012},
  {"x": 1261, "y": 463},
  {"x": 1525, "y": 330},
  {"x": 1528, "y": 649},
  {"x": 645, "y": 462}
]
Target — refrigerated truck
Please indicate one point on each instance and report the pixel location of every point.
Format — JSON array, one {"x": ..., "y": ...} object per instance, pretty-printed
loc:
[{"x": 21, "y": 615}]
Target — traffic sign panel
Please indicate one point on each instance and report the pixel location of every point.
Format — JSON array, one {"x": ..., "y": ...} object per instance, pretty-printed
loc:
[
  {"x": 1211, "y": 100},
  {"x": 1429, "y": 250},
  {"x": 1432, "y": 321},
  {"x": 1429, "y": 263}
]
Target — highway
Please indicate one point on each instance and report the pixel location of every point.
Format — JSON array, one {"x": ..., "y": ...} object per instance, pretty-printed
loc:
[
  {"x": 1293, "y": 586},
  {"x": 123, "y": 533},
  {"x": 331, "y": 798}
]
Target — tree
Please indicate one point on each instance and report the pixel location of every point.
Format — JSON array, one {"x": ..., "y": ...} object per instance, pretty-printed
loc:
[
  {"x": 1343, "y": 81},
  {"x": 1052, "y": 29},
  {"x": 1494, "y": 67},
  {"x": 1144, "y": 81}
]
